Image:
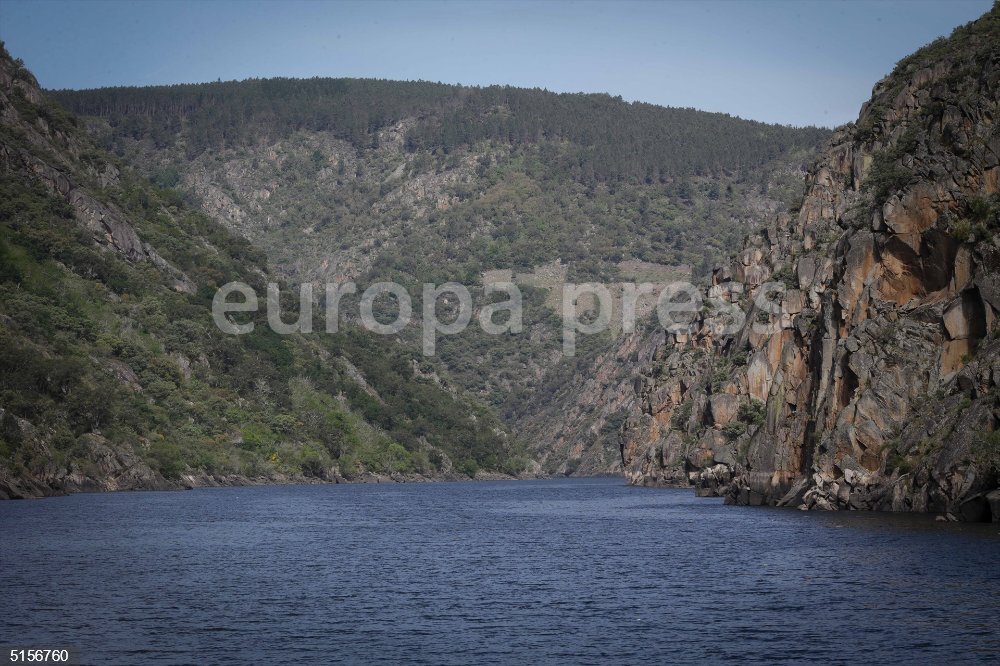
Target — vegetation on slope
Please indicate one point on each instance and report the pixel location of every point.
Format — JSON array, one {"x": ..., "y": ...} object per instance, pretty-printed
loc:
[
  {"x": 97, "y": 343},
  {"x": 420, "y": 182},
  {"x": 611, "y": 140}
]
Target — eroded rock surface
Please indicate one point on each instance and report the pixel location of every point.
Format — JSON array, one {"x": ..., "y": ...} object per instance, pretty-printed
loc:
[{"x": 876, "y": 386}]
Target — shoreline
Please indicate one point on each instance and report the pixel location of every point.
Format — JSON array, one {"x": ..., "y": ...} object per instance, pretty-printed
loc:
[
  {"x": 204, "y": 480},
  {"x": 30, "y": 489}
]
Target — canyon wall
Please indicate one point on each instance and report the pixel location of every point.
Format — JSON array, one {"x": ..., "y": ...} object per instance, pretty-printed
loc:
[{"x": 867, "y": 376}]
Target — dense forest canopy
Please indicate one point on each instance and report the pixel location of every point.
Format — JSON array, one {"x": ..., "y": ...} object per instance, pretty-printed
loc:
[{"x": 613, "y": 139}]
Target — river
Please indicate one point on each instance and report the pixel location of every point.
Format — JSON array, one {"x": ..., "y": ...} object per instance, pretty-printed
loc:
[{"x": 575, "y": 571}]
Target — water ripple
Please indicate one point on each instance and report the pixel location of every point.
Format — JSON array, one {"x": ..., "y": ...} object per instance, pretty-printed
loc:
[{"x": 575, "y": 572}]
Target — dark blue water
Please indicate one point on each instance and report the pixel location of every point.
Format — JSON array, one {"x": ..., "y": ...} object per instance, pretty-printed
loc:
[{"x": 575, "y": 571}]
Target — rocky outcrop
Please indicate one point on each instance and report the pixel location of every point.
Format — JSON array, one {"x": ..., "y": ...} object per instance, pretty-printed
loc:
[
  {"x": 867, "y": 373},
  {"x": 98, "y": 466},
  {"x": 36, "y": 148}
]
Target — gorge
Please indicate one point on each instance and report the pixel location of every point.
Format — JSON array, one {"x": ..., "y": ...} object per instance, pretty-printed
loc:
[
  {"x": 302, "y": 365},
  {"x": 876, "y": 386}
]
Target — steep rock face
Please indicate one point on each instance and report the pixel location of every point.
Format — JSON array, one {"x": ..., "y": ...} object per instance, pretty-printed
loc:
[
  {"x": 874, "y": 385},
  {"x": 574, "y": 428}
]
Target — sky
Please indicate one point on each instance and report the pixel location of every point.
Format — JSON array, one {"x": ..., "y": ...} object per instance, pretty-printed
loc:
[{"x": 797, "y": 62}]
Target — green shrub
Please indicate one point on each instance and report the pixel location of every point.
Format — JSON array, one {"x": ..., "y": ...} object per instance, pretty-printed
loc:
[
  {"x": 720, "y": 375},
  {"x": 897, "y": 461},
  {"x": 962, "y": 231},
  {"x": 10, "y": 269},
  {"x": 786, "y": 276},
  {"x": 985, "y": 452},
  {"x": 468, "y": 467},
  {"x": 734, "y": 429},
  {"x": 257, "y": 436},
  {"x": 514, "y": 466},
  {"x": 681, "y": 416},
  {"x": 286, "y": 424},
  {"x": 311, "y": 462},
  {"x": 885, "y": 178},
  {"x": 865, "y": 130},
  {"x": 739, "y": 358},
  {"x": 6, "y": 450},
  {"x": 167, "y": 177},
  {"x": 167, "y": 458},
  {"x": 753, "y": 412}
]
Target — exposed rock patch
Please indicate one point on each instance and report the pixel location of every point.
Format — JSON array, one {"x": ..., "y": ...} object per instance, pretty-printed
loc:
[{"x": 880, "y": 374}]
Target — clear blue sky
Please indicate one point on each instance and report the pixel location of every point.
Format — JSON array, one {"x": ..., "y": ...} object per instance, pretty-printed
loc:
[{"x": 796, "y": 62}]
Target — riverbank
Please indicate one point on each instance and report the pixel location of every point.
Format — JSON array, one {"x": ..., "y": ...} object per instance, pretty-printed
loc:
[{"x": 140, "y": 477}]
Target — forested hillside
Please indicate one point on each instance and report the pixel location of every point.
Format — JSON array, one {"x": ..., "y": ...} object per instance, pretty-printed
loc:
[
  {"x": 113, "y": 374},
  {"x": 418, "y": 182},
  {"x": 610, "y": 140}
]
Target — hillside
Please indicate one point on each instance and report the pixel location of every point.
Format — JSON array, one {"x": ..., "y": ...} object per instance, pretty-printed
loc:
[
  {"x": 113, "y": 375},
  {"x": 339, "y": 179},
  {"x": 876, "y": 384}
]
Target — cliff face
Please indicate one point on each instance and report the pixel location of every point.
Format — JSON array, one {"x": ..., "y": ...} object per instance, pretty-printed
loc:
[{"x": 876, "y": 385}]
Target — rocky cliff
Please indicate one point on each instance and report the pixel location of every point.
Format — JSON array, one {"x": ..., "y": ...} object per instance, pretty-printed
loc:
[{"x": 869, "y": 375}]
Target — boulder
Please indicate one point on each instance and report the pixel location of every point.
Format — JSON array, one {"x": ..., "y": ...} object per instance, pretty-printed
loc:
[
  {"x": 976, "y": 509},
  {"x": 806, "y": 270},
  {"x": 795, "y": 494},
  {"x": 993, "y": 498},
  {"x": 914, "y": 213},
  {"x": 793, "y": 301},
  {"x": 724, "y": 408},
  {"x": 759, "y": 376},
  {"x": 965, "y": 318}
]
